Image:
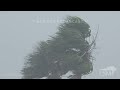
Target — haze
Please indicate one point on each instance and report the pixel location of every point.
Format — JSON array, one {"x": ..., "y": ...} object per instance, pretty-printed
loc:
[{"x": 20, "y": 32}]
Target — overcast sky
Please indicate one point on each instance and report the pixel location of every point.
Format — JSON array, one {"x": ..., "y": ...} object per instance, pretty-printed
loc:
[{"x": 19, "y": 33}]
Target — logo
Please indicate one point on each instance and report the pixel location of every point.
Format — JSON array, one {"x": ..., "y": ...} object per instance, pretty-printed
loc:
[{"x": 108, "y": 71}]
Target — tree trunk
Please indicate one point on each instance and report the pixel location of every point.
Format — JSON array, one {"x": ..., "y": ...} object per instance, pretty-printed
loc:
[
  {"x": 54, "y": 76},
  {"x": 76, "y": 77}
]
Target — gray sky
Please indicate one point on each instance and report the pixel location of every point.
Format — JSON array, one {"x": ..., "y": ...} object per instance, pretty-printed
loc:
[{"x": 19, "y": 33}]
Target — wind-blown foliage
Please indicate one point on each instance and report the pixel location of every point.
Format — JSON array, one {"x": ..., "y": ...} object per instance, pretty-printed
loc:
[{"x": 67, "y": 51}]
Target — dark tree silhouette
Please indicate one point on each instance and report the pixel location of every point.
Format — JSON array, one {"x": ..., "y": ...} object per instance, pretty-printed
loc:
[{"x": 68, "y": 50}]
